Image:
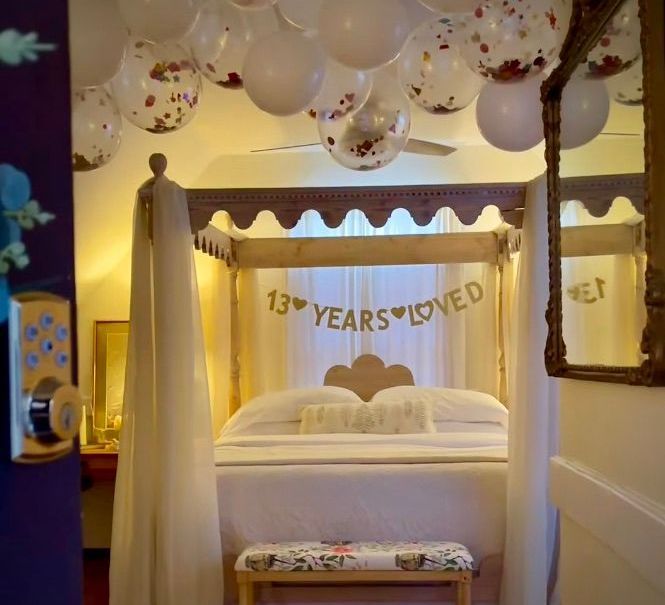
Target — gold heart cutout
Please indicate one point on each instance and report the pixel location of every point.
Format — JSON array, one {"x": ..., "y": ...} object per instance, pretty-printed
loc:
[
  {"x": 398, "y": 312},
  {"x": 424, "y": 310},
  {"x": 299, "y": 303}
]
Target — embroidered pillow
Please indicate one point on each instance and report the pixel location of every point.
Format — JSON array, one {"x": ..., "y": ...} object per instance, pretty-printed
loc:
[{"x": 385, "y": 417}]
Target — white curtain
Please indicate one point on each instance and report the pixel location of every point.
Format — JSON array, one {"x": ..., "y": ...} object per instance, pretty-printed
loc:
[
  {"x": 602, "y": 291},
  {"x": 166, "y": 547},
  {"x": 533, "y": 433},
  {"x": 459, "y": 349}
]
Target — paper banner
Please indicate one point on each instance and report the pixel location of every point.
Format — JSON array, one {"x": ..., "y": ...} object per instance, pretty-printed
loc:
[{"x": 371, "y": 320}]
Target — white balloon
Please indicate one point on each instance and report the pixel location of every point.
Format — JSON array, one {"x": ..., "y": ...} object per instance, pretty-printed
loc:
[
  {"x": 96, "y": 128},
  {"x": 510, "y": 117},
  {"x": 585, "y": 106},
  {"x": 363, "y": 35},
  {"x": 451, "y": 6},
  {"x": 344, "y": 90},
  {"x": 221, "y": 38},
  {"x": 301, "y": 13},
  {"x": 158, "y": 88},
  {"x": 97, "y": 40},
  {"x": 284, "y": 72},
  {"x": 627, "y": 88},
  {"x": 374, "y": 135},
  {"x": 432, "y": 72},
  {"x": 159, "y": 20},
  {"x": 253, "y": 4}
]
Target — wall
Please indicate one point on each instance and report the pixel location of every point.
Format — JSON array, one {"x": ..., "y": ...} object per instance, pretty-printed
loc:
[{"x": 610, "y": 486}]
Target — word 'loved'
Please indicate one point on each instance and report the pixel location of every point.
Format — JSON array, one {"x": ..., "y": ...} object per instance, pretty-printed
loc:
[{"x": 417, "y": 314}]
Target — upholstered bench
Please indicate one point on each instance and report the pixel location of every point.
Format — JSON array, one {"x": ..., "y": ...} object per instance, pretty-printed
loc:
[{"x": 355, "y": 562}]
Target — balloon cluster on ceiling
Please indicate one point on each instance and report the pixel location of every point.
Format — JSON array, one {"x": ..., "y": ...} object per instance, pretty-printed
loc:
[{"x": 354, "y": 65}]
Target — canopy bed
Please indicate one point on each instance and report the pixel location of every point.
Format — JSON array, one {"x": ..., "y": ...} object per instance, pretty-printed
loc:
[{"x": 459, "y": 466}]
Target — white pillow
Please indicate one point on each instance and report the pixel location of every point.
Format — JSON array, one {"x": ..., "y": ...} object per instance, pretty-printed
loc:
[
  {"x": 385, "y": 418},
  {"x": 281, "y": 407},
  {"x": 456, "y": 405}
]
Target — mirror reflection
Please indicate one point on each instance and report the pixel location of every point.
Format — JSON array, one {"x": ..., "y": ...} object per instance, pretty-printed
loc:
[{"x": 602, "y": 181}]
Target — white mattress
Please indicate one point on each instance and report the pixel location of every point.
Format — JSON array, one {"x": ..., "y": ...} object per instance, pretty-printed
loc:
[{"x": 443, "y": 486}]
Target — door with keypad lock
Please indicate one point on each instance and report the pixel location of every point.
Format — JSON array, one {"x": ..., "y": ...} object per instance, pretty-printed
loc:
[
  {"x": 45, "y": 406},
  {"x": 40, "y": 502}
]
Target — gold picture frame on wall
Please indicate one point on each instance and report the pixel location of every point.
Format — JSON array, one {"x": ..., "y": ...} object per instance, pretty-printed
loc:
[{"x": 108, "y": 377}]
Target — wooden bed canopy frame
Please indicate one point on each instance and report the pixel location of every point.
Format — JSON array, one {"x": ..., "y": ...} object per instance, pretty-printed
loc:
[{"x": 377, "y": 203}]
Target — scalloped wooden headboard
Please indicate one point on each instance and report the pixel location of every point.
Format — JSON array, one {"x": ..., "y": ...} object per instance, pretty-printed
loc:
[{"x": 368, "y": 375}]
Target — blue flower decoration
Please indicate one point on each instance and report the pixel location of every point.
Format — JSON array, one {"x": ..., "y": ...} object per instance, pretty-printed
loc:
[{"x": 14, "y": 187}]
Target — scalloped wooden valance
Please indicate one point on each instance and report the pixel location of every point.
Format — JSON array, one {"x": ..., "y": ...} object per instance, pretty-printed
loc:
[{"x": 378, "y": 202}]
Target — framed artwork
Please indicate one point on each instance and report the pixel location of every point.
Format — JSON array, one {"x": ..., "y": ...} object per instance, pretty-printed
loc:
[{"x": 108, "y": 377}]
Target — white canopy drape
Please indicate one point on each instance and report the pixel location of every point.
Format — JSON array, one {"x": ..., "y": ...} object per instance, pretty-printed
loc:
[
  {"x": 166, "y": 547},
  {"x": 534, "y": 418}
]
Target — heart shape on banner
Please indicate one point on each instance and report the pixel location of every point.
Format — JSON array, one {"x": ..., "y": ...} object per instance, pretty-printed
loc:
[
  {"x": 424, "y": 310},
  {"x": 299, "y": 303},
  {"x": 398, "y": 312}
]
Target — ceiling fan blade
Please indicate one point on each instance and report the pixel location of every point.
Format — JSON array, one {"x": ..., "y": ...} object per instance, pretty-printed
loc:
[
  {"x": 285, "y": 147},
  {"x": 428, "y": 148},
  {"x": 412, "y": 146}
]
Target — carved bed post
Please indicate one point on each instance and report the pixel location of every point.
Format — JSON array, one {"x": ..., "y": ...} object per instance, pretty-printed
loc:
[
  {"x": 234, "y": 370},
  {"x": 503, "y": 257}
]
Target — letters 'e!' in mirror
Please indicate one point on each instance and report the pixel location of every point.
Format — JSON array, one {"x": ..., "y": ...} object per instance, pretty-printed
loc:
[{"x": 603, "y": 324}]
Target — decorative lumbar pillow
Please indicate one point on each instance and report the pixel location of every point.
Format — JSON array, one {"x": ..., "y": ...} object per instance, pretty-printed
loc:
[
  {"x": 386, "y": 418},
  {"x": 281, "y": 407}
]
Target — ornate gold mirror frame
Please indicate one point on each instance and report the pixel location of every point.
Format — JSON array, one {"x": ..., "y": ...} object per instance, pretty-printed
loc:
[{"x": 587, "y": 24}]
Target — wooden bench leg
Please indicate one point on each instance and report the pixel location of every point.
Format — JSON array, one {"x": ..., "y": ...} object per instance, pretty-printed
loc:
[
  {"x": 464, "y": 589},
  {"x": 245, "y": 591}
]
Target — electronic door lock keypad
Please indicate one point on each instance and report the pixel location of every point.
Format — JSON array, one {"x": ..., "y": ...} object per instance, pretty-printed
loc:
[{"x": 45, "y": 406}]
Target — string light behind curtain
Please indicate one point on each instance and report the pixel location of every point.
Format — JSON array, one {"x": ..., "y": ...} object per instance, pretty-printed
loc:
[{"x": 459, "y": 349}]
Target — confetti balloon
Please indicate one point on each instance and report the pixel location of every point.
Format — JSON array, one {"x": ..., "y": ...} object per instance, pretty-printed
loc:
[
  {"x": 363, "y": 35},
  {"x": 432, "y": 72},
  {"x": 159, "y": 87},
  {"x": 284, "y": 72},
  {"x": 510, "y": 117},
  {"x": 95, "y": 53},
  {"x": 510, "y": 40},
  {"x": 344, "y": 90},
  {"x": 96, "y": 128},
  {"x": 627, "y": 88},
  {"x": 159, "y": 20},
  {"x": 619, "y": 45},
  {"x": 451, "y": 6},
  {"x": 302, "y": 14},
  {"x": 374, "y": 135},
  {"x": 253, "y": 4},
  {"x": 221, "y": 38},
  {"x": 585, "y": 106}
]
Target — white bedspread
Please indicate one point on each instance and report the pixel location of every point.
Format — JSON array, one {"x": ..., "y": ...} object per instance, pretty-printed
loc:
[{"x": 442, "y": 486}]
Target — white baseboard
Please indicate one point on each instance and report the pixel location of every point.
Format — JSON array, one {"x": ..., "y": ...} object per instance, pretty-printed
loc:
[{"x": 630, "y": 524}]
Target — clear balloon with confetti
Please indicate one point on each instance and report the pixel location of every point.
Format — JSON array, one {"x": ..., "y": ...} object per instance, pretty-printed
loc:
[
  {"x": 619, "y": 46},
  {"x": 432, "y": 72},
  {"x": 627, "y": 88},
  {"x": 375, "y": 134},
  {"x": 96, "y": 128},
  {"x": 159, "y": 87},
  {"x": 514, "y": 39},
  {"x": 344, "y": 90},
  {"x": 221, "y": 38}
]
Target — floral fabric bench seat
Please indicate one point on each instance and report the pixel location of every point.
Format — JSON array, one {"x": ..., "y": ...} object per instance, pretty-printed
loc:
[{"x": 352, "y": 562}]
